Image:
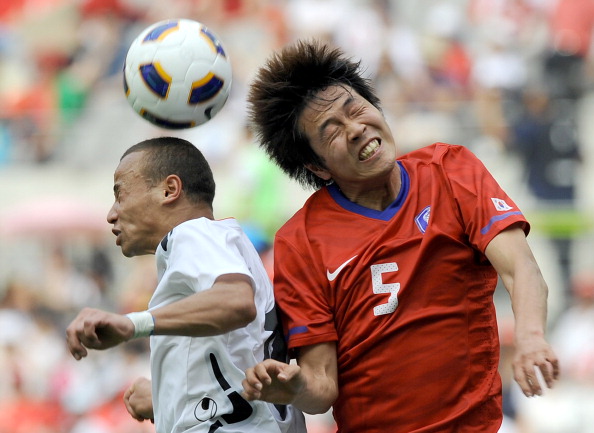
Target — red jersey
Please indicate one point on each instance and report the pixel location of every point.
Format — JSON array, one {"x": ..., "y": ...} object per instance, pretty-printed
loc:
[{"x": 406, "y": 293}]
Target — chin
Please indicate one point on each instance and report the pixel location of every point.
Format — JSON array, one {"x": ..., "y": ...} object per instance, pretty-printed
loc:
[{"x": 126, "y": 251}]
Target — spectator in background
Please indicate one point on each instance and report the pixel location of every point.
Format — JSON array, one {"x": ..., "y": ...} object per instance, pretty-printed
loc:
[
  {"x": 543, "y": 136},
  {"x": 566, "y": 63}
]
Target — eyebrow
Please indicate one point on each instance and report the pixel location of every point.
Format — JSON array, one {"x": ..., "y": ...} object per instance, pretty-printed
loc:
[{"x": 348, "y": 101}]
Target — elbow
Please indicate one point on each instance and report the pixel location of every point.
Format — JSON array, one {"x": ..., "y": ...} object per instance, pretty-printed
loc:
[
  {"x": 320, "y": 409},
  {"x": 327, "y": 405},
  {"x": 247, "y": 314},
  {"x": 320, "y": 404},
  {"x": 240, "y": 316}
]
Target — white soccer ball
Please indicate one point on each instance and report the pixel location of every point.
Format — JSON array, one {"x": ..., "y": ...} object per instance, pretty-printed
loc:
[{"x": 177, "y": 74}]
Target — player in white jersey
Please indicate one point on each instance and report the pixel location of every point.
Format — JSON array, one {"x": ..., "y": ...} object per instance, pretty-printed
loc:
[{"x": 212, "y": 314}]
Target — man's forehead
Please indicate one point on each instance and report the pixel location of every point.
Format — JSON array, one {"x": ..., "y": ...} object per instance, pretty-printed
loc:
[
  {"x": 328, "y": 101},
  {"x": 333, "y": 93},
  {"x": 130, "y": 164},
  {"x": 332, "y": 97},
  {"x": 126, "y": 177}
]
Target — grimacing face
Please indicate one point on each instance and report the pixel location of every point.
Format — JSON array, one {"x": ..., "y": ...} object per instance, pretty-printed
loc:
[
  {"x": 134, "y": 214},
  {"x": 350, "y": 135}
]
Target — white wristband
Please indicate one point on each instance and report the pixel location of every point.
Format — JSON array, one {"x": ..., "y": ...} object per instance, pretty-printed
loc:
[{"x": 144, "y": 323}]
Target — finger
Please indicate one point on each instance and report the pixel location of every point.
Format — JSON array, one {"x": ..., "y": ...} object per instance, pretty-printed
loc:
[
  {"x": 130, "y": 409},
  {"x": 533, "y": 381},
  {"x": 80, "y": 353},
  {"x": 251, "y": 394},
  {"x": 137, "y": 417},
  {"x": 127, "y": 404},
  {"x": 556, "y": 368},
  {"x": 128, "y": 392},
  {"x": 252, "y": 381},
  {"x": 287, "y": 373},
  {"x": 89, "y": 335},
  {"x": 550, "y": 371},
  {"x": 74, "y": 345},
  {"x": 524, "y": 381},
  {"x": 546, "y": 370},
  {"x": 261, "y": 375},
  {"x": 534, "y": 384}
]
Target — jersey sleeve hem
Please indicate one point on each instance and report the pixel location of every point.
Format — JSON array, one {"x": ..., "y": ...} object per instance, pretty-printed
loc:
[
  {"x": 517, "y": 221},
  {"x": 309, "y": 340}
]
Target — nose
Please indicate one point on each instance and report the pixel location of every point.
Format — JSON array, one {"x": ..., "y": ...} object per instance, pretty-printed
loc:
[
  {"x": 355, "y": 130},
  {"x": 112, "y": 215}
]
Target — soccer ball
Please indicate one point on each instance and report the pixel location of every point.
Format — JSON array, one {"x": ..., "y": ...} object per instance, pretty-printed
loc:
[{"x": 177, "y": 74}]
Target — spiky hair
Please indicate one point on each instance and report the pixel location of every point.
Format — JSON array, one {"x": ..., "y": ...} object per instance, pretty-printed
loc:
[{"x": 283, "y": 87}]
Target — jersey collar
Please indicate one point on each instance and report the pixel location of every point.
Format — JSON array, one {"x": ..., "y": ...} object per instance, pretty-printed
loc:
[{"x": 384, "y": 215}]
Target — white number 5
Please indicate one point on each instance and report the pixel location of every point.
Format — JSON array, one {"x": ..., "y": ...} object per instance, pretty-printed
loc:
[{"x": 379, "y": 287}]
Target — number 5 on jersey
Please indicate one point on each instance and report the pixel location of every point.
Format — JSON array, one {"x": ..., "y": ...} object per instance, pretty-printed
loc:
[{"x": 380, "y": 288}]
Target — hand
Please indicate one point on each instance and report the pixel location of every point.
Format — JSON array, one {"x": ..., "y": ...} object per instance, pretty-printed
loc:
[
  {"x": 273, "y": 381},
  {"x": 532, "y": 354},
  {"x": 139, "y": 400},
  {"x": 96, "y": 329}
]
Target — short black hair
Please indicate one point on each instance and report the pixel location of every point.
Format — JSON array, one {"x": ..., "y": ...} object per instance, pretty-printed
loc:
[
  {"x": 283, "y": 87},
  {"x": 171, "y": 155}
]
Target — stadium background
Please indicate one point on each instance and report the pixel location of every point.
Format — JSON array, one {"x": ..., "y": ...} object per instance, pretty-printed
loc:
[{"x": 510, "y": 79}]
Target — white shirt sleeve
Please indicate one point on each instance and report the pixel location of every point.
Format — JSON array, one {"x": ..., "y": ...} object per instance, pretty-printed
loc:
[{"x": 200, "y": 252}]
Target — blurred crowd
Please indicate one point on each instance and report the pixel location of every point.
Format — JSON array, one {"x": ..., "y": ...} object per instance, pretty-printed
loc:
[{"x": 513, "y": 80}]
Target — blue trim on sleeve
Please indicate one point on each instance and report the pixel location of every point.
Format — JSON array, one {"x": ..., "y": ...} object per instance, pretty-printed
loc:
[
  {"x": 297, "y": 330},
  {"x": 496, "y": 218}
]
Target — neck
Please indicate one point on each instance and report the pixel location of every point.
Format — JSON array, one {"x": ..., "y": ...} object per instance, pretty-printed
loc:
[
  {"x": 377, "y": 196},
  {"x": 185, "y": 211}
]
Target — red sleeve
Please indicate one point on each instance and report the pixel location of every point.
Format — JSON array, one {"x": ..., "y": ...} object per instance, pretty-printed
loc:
[
  {"x": 305, "y": 311},
  {"x": 485, "y": 209}
]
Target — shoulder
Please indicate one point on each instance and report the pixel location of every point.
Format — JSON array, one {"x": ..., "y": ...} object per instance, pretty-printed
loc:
[
  {"x": 199, "y": 229},
  {"x": 444, "y": 160},
  {"x": 205, "y": 226},
  {"x": 437, "y": 152},
  {"x": 316, "y": 206}
]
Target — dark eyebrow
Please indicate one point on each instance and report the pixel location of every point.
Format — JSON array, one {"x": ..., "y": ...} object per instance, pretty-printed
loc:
[{"x": 348, "y": 101}]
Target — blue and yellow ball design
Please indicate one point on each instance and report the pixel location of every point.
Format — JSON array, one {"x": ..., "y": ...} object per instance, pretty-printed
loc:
[{"x": 177, "y": 74}]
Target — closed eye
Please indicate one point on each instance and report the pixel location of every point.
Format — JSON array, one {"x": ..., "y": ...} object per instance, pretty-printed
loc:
[
  {"x": 358, "y": 110},
  {"x": 331, "y": 133}
]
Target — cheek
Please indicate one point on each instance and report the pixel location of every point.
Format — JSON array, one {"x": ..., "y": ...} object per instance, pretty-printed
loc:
[
  {"x": 139, "y": 216},
  {"x": 130, "y": 213}
]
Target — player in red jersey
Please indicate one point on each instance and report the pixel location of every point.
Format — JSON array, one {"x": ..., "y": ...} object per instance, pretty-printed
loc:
[{"x": 386, "y": 275}]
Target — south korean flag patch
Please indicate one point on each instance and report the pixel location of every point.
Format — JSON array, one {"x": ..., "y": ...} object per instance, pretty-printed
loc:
[{"x": 500, "y": 204}]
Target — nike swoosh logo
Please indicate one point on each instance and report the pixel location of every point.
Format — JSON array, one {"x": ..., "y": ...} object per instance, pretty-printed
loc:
[{"x": 332, "y": 275}]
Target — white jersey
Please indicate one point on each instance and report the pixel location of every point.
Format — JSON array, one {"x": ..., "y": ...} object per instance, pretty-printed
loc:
[{"x": 197, "y": 380}]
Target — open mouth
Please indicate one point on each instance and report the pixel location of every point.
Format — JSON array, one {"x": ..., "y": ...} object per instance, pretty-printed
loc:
[{"x": 369, "y": 150}]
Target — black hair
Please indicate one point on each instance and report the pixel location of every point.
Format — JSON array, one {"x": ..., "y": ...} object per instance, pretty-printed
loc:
[
  {"x": 283, "y": 87},
  {"x": 171, "y": 155}
]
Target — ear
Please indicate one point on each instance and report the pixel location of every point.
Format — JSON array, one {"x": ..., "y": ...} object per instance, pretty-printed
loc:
[
  {"x": 322, "y": 173},
  {"x": 172, "y": 188}
]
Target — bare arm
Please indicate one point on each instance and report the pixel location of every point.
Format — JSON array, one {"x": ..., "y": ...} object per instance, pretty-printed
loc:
[
  {"x": 511, "y": 256},
  {"x": 227, "y": 305},
  {"x": 311, "y": 385}
]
